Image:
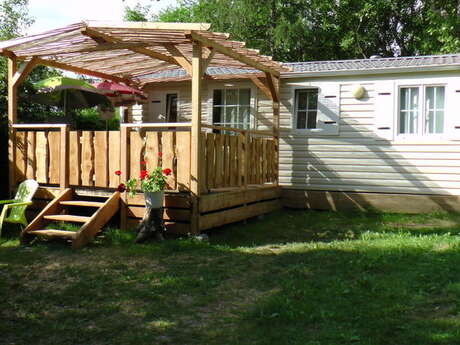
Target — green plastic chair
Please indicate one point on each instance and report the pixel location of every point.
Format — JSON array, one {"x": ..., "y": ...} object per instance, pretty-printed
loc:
[{"x": 18, "y": 205}]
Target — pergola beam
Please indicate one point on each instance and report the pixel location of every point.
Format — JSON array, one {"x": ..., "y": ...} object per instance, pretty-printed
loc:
[
  {"x": 179, "y": 58},
  {"x": 24, "y": 71},
  {"x": 12, "y": 118},
  {"x": 273, "y": 87},
  {"x": 148, "y": 25},
  {"x": 232, "y": 53},
  {"x": 110, "y": 39},
  {"x": 262, "y": 86},
  {"x": 55, "y": 64}
]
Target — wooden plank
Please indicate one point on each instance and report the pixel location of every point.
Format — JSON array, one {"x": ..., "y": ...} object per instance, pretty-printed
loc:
[
  {"x": 60, "y": 65},
  {"x": 210, "y": 160},
  {"x": 232, "y": 53},
  {"x": 173, "y": 200},
  {"x": 21, "y": 156},
  {"x": 64, "y": 154},
  {"x": 12, "y": 118},
  {"x": 67, "y": 218},
  {"x": 124, "y": 163},
  {"x": 219, "y": 167},
  {"x": 203, "y": 165},
  {"x": 183, "y": 160},
  {"x": 52, "y": 208},
  {"x": 30, "y": 159},
  {"x": 54, "y": 140},
  {"x": 168, "y": 158},
  {"x": 97, "y": 221},
  {"x": 152, "y": 148},
  {"x": 148, "y": 25},
  {"x": 264, "y": 160},
  {"x": 241, "y": 159},
  {"x": 87, "y": 158},
  {"x": 101, "y": 155},
  {"x": 140, "y": 50},
  {"x": 114, "y": 158},
  {"x": 387, "y": 202},
  {"x": 216, "y": 219},
  {"x": 195, "y": 165},
  {"x": 24, "y": 71},
  {"x": 172, "y": 214},
  {"x": 218, "y": 201},
  {"x": 226, "y": 170},
  {"x": 179, "y": 58},
  {"x": 136, "y": 147},
  {"x": 41, "y": 152},
  {"x": 49, "y": 233},
  {"x": 74, "y": 158}
]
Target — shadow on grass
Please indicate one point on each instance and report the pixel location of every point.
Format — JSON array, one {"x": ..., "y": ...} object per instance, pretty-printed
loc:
[
  {"x": 288, "y": 226},
  {"x": 382, "y": 287}
]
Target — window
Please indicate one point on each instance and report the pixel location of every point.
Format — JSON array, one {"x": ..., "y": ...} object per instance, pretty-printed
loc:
[
  {"x": 232, "y": 108},
  {"x": 421, "y": 110},
  {"x": 306, "y": 108}
]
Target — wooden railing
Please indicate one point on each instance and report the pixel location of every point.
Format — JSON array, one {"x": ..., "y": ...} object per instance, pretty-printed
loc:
[
  {"x": 237, "y": 158},
  {"x": 53, "y": 155}
]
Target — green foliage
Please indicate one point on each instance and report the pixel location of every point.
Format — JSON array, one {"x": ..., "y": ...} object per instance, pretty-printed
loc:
[
  {"x": 153, "y": 181},
  {"x": 295, "y": 30},
  {"x": 89, "y": 119}
]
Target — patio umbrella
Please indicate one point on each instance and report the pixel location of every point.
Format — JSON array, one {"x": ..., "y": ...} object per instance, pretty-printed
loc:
[
  {"x": 119, "y": 94},
  {"x": 68, "y": 93}
]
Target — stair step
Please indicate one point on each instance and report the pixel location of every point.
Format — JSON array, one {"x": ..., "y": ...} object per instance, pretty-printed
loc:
[
  {"x": 67, "y": 218},
  {"x": 82, "y": 203},
  {"x": 50, "y": 233}
]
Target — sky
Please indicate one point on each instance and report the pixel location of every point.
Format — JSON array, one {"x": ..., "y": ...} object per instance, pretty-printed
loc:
[{"x": 50, "y": 14}]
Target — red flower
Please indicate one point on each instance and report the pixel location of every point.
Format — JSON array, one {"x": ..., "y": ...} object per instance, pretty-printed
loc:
[
  {"x": 167, "y": 171},
  {"x": 160, "y": 154},
  {"x": 118, "y": 172},
  {"x": 121, "y": 187},
  {"x": 143, "y": 174},
  {"x": 143, "y": 162}
]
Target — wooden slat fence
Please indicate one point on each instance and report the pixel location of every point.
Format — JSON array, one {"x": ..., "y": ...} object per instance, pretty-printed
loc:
[
  {"x": 94, "y": 156},
  {"x": 237, "y": 160}
]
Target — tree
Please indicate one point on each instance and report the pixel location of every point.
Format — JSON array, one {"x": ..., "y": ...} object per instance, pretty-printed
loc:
[{"x": 303, "y": 30}]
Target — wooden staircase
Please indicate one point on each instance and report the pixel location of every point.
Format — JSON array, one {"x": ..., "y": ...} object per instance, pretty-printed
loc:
[{"x": 56, "y": 211}]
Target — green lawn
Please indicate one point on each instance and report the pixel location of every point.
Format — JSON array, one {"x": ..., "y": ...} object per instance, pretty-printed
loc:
[{"x": 295, "y": 277}]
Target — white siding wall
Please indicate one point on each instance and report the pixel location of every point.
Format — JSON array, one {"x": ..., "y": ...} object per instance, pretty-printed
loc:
[{"x": 357, "y": 159}]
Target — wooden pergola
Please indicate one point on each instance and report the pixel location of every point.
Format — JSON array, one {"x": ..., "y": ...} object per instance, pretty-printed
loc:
[{"x": 125, "y": 51}]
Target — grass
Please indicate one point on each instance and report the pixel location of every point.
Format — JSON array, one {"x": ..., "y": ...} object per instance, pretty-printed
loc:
[{"x": 295, "y": 277}]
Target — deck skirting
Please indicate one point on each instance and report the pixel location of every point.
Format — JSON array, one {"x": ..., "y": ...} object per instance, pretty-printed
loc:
[{"x": 387, "y": 202}]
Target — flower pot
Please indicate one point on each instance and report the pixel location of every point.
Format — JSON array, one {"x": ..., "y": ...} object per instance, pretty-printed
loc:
[{"x": 153, "y": 199}]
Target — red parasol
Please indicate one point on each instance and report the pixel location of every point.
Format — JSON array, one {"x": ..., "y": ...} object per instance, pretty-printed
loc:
[{"x": 121, "y": 94}]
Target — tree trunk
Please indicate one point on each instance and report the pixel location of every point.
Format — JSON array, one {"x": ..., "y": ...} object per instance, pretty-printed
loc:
[{"x": 152, "y": 226}]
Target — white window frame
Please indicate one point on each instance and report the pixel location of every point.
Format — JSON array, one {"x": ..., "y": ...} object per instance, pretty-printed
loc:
[
  {"x": 294, "y": 111},
  {"x": 421, "y": 121},
  {"x": 252, "y": 102}
]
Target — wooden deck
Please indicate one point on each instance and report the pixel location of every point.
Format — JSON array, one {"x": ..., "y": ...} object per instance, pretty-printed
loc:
[{"x": 238, "y": 179}]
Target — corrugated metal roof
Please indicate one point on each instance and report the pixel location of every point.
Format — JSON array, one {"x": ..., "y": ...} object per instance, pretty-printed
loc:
[
  {"x": 340, "y": 66},
  {"x": 180, "y": 72},
  {"x": 374, "y": 64}
]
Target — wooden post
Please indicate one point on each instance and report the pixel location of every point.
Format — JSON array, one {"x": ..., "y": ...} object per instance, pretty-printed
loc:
[
  {"x": 64, "y": 158},
  {"x": 195, "y": 166},
  {"x": 124, "y": 167},
  {"x": 276, "y": 128},
  {"x": 12, "y": 118}
]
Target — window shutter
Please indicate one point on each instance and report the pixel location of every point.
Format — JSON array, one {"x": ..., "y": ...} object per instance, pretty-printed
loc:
[
  {"x": 452, "y": 111},
  {"x": 384, "y": 110},
  {"x": 328, "y": 109}
]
